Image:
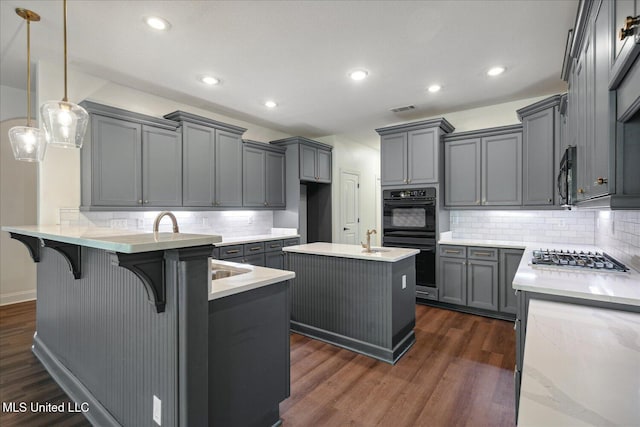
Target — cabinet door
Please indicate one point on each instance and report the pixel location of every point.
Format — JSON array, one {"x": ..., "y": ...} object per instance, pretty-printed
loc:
[
  {"x": 453, "y": 281},
  {"x": 275, "y": 179},
  {"x": 161, "y": 167},
  {"x": 509, "y": 262},
  {"x": 257, "y": 259},
  {"x": 307, "y": 163},
  {"x": 502, "y": 170},
  {"x": 585, "y": 119},
  {"x": 482, "y": 284},
  {"x": 274, "y": 260},
  {"x": 116, "y": 162},
  {"x": 538, "y": 162},
  {"x": 393, "y": 156},
  {"x": 198, "y": 151},
  {"x": 603, "y": 123},
  {"x": 462, "y": 173},
  {"x": 228, "y": 170},
  {"x": 323, "y": 166},
  {"x": 623, "y": 50},
  {"x": 253, "y": 183},
  {"x": 422, "y": 156}
]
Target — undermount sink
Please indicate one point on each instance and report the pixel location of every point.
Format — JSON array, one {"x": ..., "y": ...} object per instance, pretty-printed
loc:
[
  {"x": 376, "y": 250},
  {"x": 223, "y": 271}
]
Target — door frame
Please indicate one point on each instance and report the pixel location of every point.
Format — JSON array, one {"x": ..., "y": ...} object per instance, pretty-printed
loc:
[{"x": 341, "y": 204}]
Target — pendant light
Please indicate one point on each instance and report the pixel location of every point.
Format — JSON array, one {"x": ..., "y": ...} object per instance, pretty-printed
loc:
[
  {"x": 64, "y": 122},
  {"x": 27, "y": 142}
]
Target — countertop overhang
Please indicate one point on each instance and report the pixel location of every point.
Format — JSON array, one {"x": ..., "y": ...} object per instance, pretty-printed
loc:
[
  {"x": 115, "y": 240},
  {"x": 385, "y": 254},
  {"x": 254, "y": 277}
]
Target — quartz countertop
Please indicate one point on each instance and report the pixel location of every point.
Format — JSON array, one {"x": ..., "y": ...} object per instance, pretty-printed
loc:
[
  {"x": 446, "y": 239},
  {"x": 250, "y": 277},
  {"x": 226, "y": 241},
  {"x": 581, "y": 367},
  {"x": 353, "y": 251},
  {"x": 116, "y": 240}
]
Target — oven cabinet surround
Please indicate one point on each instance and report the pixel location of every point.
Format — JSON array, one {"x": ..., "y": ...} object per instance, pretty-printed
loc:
[
  {"x": 477, "y": 279},
  {"x": 212, "y": 161},
  {"x": 483, "y": 168},
  {"x": 130, "y": 160},
  {"x": 603, "y": 75},
  {"x": 312, "y": 161},
  {"x": 105, "y": 342},
  {"x": 364, "y": 302},
  {"x": 410, "y": 153},
  {"x": 541, "y": 153},
  {"x": 263, "y": 175}
]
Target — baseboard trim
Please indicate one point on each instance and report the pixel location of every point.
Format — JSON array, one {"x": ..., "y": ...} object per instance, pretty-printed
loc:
[
  {"x": 98, "y": 414},
  {"x": 16, "y": 297}
]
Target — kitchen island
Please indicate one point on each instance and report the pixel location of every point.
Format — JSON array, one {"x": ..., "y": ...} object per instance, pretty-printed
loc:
[
  {"x": 133, "y": 325},
  {"x": 362, "y": 301}
]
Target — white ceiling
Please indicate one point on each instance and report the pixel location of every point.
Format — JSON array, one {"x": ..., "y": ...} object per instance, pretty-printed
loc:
[{"x": 299, "y": 53}]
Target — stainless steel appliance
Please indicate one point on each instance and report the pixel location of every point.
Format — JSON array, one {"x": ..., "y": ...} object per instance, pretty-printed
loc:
[
  {"x": 409, "y": 221},
  {"x": 577, "y": 259},
  {"x": 567, "y": 177}
]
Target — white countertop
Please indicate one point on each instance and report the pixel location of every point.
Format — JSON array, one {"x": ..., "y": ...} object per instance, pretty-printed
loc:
[
  {"x": 251, "y": 277},
  {"x": 581, "y": 367},
  {"x": 227, "y": 241},
  {"x": 446, "y": 239},
  {"x": 353, "y": 251},
  {"x": 116, "y": 240}
]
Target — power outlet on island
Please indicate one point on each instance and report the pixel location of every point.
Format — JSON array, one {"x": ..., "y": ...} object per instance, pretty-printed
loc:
[
  {"x": 404, "y": 281},
  {"x": 157, "y": 410}
]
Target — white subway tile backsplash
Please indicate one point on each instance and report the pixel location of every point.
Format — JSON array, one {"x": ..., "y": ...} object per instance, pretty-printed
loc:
[{"x": 618, "y": 234}]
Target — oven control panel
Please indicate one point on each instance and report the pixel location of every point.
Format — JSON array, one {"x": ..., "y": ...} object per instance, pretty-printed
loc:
[{"x": 418, "y": 193}]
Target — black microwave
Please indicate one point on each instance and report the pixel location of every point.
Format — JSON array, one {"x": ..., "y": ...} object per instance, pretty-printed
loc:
[{"x": 567, "y": 177}]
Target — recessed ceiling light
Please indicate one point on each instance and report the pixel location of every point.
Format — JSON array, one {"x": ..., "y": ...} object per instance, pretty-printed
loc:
[
  {"x": 358, "y": 74},
  {"x": 270, "y": 104},
  {"x": 209, "y": 80},
  {"x": 434, "y": 88},
  {"x": 157, "y": 23},
  {"x": 496, "y": 71}
]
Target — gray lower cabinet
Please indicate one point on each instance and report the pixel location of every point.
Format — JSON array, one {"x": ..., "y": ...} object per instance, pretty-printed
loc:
[
  {"x": 509, "y": 262},
  {"x": 453, "y": 281},
  {"x": 263, "y": 254},
  {"x": 484, "y": 167},
  {"x": 274, "y": 260},
  {"x": 263, "y": 181},
  {"x": 130, "y": 160},
  {"x": 212, "y": 162},
  {"x": 482, "y": 284}
]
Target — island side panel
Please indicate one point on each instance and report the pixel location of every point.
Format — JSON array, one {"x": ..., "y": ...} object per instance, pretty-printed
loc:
[
  {"x": 108, "y": 338},
  {"x": 404, "y": 304}
]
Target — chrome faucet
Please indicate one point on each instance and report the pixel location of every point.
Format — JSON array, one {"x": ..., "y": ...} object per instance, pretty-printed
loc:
[
  {"x": 162, "y": 214},
  {"x": 367, "y": 246}
]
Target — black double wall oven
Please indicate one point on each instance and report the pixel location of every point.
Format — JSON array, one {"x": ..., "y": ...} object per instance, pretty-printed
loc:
[{"x": 409, "y": 221}]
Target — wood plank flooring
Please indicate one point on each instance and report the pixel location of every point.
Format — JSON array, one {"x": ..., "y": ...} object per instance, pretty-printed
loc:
[{"x": 458, "y": 373}]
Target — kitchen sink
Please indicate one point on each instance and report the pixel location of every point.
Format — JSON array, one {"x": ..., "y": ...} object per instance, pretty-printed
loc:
[{"x": 224, "y": 271}]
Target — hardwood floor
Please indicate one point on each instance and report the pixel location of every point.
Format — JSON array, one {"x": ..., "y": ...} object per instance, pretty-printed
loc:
[{"x": 458, "y": 373}]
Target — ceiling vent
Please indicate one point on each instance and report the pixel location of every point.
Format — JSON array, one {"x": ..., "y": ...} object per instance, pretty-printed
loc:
[{"x": 403, "y": 109}]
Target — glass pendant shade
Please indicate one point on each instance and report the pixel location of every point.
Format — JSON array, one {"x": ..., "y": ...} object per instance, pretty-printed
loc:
[
  {"x": 65, "y": 123},
  {"x": 27, "y": 143}
]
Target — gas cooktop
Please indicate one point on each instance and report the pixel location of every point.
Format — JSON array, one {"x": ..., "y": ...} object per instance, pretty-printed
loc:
[{"x": 577, "y": 259}]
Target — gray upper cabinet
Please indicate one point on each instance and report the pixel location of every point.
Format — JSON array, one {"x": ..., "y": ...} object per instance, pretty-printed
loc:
[
  {"x": 212, "y": 161},
  {"x": 263, "y": 176},
  {"x": 161, "y": 167},
  {"x": 484, "y": 168},
  {"x": 541, "y": 144},
  {"x": 410, "y": 153},
  {"x": 626, "y": 50},
  {"x": 315, "y": 164},
  {"x": 130, "y": 160},
  {"x": 323, "y": 168}
]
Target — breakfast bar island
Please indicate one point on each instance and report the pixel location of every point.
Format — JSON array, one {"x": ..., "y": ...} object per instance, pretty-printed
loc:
[
  {"x": 363, "y": 301},
  {"x": 134, "y": 329}
]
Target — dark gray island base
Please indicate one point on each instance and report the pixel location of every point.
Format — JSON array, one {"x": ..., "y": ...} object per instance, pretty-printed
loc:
[
  {"x": 355, "y": 303},
  {"x": 196, "y": 360}
]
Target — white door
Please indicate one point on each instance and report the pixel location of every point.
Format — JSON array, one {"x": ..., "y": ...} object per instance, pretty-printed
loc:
[{"x": 349, "y": 208}]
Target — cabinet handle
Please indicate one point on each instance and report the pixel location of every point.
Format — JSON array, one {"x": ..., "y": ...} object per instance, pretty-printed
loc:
[
  {"x": 550, "y": 201},
  {"x": 266, "y": 204},
  {"x": 601, "y": 181},
  {"x": 477, "y": 202},
  {"x": 581, "y": 190},
  {"x": 140, "y": 201},
  {"x": 275, "y": 245},
  {"x": 629, "y": 25},
  {"x": 233, "y": 251},
  {"x": 449, "y": 251},
  {"x": 146, "y": 201},
  {"x": 255, "y": 248},
  {"x": 483, "y": 253}
]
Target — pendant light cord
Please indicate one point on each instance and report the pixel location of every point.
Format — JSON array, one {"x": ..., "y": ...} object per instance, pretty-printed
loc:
[
  {"x": 65, "y": 99},
  {"x": 28, "y": 73}
]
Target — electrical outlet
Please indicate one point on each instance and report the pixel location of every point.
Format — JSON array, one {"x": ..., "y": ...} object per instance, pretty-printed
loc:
[
  {"x": 157, "y": 410},
  {"x": 404, "y": 281},
  {"x": 249, "y": 220},
  {"x": 118, "y": 223},
  {"x": 613, "y": 227}
]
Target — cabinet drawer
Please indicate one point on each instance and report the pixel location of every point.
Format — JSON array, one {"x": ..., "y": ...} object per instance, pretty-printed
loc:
[
  {"x": 231, "y": 251},
  {"x": 291, "y": 242},
  {"x": 487, "y": 254},
  {"x": 253, "y": 248},
  {"x": 424, "y": 292},
  {"x": 453, "y": 251},
  {"x": 273, "y": 245}
]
